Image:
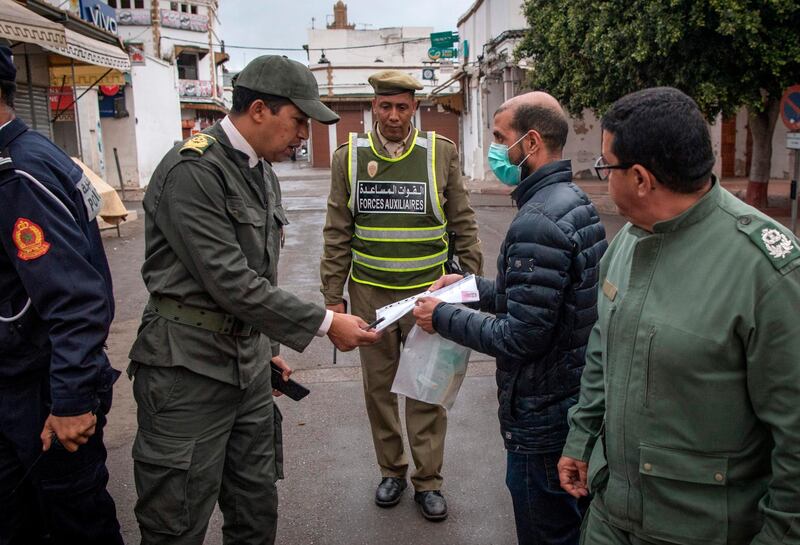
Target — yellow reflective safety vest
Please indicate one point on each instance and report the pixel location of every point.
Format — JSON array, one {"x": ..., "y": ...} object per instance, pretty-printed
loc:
[{"x": 399, "y": 240}]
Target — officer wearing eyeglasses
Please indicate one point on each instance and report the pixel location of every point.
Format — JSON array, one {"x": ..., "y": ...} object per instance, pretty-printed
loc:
[{"x": 687, "y": 426}]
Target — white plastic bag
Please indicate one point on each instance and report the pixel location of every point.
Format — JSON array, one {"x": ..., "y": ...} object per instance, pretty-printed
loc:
[{"x": 431, "y": 368}]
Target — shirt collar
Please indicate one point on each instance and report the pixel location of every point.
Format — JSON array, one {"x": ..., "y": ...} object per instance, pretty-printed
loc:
[
  {"x": 696, "y": 213},
  {"x": 238, "y": 141},
  {"x": 385, "y": 140}
]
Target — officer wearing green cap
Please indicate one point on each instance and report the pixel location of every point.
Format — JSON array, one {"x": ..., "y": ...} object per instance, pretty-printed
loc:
[
  {"x": 396, "y": 192},
  {"x": 208, "y": 430}
]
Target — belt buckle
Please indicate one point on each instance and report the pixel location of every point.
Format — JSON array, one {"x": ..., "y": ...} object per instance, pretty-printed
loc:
[
  {"x": 240, "y": 329},
  {"x": 228, "y": 325}
]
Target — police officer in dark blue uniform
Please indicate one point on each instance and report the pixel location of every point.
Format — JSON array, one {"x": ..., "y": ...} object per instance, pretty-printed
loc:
[{"x": 56, "y": 306}]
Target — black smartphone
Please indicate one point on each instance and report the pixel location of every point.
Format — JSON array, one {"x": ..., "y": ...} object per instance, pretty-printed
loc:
[{"x": 293, "y": 390}]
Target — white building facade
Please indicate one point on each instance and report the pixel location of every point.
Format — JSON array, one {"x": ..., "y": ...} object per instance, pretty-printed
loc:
[
  {"x": 489, "y": 32},
  {"x": 342, "y": 58},
  {"x": 175, "y": 85}
]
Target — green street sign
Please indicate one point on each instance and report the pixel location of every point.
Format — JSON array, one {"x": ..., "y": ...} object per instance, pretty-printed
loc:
[{"x": 443, "y": 40}]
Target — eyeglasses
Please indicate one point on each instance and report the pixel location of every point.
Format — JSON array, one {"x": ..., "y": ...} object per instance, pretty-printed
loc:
[{"x": 603, "y": 170}]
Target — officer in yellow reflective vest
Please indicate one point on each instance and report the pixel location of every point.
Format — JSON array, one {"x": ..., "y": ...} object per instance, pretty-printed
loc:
[{"x": 395, "y": 193}]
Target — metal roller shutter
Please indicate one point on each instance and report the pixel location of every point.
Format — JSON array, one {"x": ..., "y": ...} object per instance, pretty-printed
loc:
[
  {"x": 320, "y": 145},
  {"x": 41, "y": 108},
  {"x": 443, "y": 122}
]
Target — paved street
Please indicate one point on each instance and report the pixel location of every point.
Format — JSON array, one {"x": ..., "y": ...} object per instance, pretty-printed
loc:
[{"x": 330, "y": 468}]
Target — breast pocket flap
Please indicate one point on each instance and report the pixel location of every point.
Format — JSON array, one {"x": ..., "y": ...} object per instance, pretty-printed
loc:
[{"x": 242, "y": 213}]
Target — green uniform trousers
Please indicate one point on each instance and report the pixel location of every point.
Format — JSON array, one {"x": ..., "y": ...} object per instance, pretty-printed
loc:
[
  {"x": 201, "y": 441},
  {"x": 426, "y": 424},
  {"x": 598, "y": 531}
]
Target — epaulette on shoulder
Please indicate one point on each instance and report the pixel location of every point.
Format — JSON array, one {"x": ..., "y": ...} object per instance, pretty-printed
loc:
[
  {"x": 440, "y": 136},
  {"x": 198, "y": 143},
  {"x": 776, "y": 242}
]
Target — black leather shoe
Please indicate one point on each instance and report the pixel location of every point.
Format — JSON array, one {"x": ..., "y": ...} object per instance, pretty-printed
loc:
[
  {"x": 389, "y": 491},
  {"x": 432, "y": 504}
]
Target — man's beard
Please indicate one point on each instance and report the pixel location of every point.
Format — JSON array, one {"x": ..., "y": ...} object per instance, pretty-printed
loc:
[{"x": 525, "y": 171}]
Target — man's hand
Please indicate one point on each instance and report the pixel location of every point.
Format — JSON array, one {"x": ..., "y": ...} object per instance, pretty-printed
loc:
[
  {"x": 572, "y": 474},
  {"x": 348, "y": 331},
  {"x": 286, "y": 372},
  {"x": 339, "y": 308},
  {"x": 72, "y": 431},
  {"x": 423, "y": 310},
  {"x": 445, "y": 280}
]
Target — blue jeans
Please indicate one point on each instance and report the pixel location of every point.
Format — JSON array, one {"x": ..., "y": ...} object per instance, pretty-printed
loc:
[{"x": 543, "y": 512}]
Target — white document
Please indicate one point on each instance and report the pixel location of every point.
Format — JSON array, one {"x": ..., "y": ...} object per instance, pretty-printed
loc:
[{"x": 463, "y": 291}]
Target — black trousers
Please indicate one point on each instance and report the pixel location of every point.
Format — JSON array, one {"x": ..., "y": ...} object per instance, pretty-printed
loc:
[{"x": 63, "y": 499}]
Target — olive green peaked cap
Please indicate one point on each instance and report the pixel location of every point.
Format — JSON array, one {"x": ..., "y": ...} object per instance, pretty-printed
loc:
[
  {"x": 283, "y": 77},
  {"x": 393, "y": 82}
]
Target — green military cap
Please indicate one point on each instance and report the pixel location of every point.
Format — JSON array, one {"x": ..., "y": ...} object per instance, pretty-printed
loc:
[
  {"x": 283, "y": 77},
  {"x": 393, "y": 82}
]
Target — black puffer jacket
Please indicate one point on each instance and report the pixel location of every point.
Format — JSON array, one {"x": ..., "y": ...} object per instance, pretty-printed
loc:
[{"x": 544, "y": 301}]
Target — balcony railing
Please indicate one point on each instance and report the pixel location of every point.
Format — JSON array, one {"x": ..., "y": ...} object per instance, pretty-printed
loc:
[
  {"x": 197, "y": 88},
  {"x": 169, "y": 19},
  {"x": 184, "y": 21},
  {"x": 139, "y": 17}
]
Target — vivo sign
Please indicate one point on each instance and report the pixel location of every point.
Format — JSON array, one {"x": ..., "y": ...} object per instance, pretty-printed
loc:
[{"x": 99, "y": 14}]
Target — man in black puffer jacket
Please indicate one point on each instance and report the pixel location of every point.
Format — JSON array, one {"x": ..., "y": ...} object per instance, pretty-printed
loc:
[{"x": 544, "y": 305}]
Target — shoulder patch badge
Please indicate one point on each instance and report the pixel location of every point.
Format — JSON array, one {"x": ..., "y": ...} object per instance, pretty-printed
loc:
[
  {"x": 199, "y": 143},
  {"x": 781, "y": 249},
  {"x": 29, "y": 240},
  {"x": 777, "y": 244}
]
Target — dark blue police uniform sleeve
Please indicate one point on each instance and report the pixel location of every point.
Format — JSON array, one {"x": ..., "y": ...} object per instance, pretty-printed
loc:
[{"x": 51, "y": 258}]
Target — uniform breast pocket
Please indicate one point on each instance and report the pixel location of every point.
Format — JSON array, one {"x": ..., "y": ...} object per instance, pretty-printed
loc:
[
  {"x": 251, "y": 228},
  {"x": 684, "y": 370}
]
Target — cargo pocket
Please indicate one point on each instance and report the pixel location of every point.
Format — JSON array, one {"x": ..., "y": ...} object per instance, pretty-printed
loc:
[
  {"x": 684, "y": 496},
  {"x": 278, "y": 442},
  {"x": 597, "y": 477},
  {"x": 162, "y": 478}
]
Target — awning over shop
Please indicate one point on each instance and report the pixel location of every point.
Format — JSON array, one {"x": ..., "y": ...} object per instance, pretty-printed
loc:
[
  {"x": 19, "y": 24},
  {"x": 201, "y": 51},
  {"x": 439, "y": 88},
  {"x": 453, "y": 102},
  {"x": 85, "y": 76},
  {"x": 221, "y": 57},
  {"x": 91, "y": 51},
  {"x": 196, "y": 105}
]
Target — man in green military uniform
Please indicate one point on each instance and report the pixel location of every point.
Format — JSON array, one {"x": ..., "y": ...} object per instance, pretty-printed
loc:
[
  {"x": 688, "y": 416},
  {"x": 207, "y": 431},
  {"x": 395, "y": 192}
]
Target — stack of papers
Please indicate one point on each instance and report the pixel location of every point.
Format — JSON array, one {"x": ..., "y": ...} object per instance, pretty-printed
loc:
[{"x": 463, "y": 291}]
